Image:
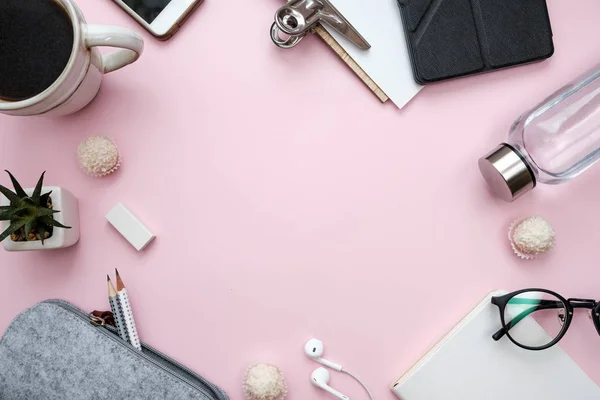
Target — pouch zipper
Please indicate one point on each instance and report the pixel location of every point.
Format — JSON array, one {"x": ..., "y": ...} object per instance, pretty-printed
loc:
[{"x": 112, "y": 333}]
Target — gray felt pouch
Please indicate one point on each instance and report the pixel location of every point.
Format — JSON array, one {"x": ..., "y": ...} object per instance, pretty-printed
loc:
[{"x": 53, "y": 351}]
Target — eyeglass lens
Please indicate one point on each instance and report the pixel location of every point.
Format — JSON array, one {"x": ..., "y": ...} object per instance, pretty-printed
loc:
[{"x": 525, "y": 309}]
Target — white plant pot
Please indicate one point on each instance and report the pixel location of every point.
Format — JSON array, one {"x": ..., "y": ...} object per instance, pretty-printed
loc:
[{"x": 63, "y": 201}]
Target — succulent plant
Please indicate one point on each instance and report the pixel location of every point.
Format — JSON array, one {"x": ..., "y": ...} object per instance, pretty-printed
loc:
[{"x": 29, "y": 212}]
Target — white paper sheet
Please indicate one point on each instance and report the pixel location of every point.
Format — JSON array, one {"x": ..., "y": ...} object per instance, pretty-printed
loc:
[{"x": 387, "y": 62}]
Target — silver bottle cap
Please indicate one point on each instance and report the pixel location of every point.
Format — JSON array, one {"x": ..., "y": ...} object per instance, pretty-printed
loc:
[{"x": 506, "y": 173}]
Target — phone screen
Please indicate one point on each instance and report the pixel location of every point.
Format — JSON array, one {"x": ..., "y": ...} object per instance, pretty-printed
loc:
[{"x": 147, "y": 9}]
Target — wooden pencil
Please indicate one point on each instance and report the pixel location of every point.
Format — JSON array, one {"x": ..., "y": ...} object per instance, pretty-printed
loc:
[
  {"x": 129, "y": 321},
  {"x": 116, "y": 310}
]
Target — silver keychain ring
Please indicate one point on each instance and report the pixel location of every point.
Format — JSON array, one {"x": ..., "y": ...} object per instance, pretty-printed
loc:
[{"x": 284, "y": 43}]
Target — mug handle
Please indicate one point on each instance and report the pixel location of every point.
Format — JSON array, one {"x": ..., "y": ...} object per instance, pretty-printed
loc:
[{"x": 130, "y": 43}]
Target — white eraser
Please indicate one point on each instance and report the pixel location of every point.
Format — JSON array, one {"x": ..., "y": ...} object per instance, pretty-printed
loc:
[{"x": 130, "y": 227}]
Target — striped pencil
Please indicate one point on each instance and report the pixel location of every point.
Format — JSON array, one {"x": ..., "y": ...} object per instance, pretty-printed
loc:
[
  {"x": 116, "y": 310},
  {"x": 129, "y": 321}
]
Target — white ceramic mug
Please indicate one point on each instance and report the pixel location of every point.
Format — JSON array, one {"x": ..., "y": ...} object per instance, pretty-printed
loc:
[{"x": 80, "y": 80}]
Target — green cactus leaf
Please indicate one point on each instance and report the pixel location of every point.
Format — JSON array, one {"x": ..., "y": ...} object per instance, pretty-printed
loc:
[
  {"x": 6, "y": 212},
  {"x": 42, "y": 231},
  {"x": 29, "y": 225},
  {"x": 12, "y": 197},
  {"x": 41, "y": 212},
  {"x": 49, "y": 221},
  {"x": 18, "y": 189},
  {"x": 37, "y": 192},
  {"x": 44, "y": 199},
  {"x": 14, "y": 226}
]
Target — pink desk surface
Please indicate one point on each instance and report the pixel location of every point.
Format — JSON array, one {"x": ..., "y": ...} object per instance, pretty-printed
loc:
[{"x": 289, "y": 203}]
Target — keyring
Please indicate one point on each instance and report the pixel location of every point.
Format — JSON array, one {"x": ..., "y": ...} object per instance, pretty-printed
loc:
[
  {"x": 288, "y": 43},
  {"x": 298, "y": 17}
]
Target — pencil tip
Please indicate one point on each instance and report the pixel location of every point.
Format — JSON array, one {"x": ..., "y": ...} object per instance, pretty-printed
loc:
[
  {"x": 107, "y": 278},
  {"x": 120, "y": 285}
]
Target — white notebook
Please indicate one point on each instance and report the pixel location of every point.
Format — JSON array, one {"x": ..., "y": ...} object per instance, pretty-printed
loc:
[
  {"x": 468, "y": 364},
  {"x": 387, "y": 62}
]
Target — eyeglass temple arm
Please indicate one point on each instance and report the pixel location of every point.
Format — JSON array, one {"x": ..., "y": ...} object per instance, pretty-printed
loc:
[{"x": 538, "y": 305}]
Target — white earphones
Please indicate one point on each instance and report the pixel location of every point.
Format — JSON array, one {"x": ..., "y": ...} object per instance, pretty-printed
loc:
[
  {"x": 314, "y": 349},
  {"x": 320, "y": 378}
]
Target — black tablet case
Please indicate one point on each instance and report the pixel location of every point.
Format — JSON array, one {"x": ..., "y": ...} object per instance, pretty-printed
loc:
[{"x": 452, "y": 38}]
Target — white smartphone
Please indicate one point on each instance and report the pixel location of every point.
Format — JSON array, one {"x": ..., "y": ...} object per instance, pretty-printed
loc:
[{"x": 162, "y": 18}]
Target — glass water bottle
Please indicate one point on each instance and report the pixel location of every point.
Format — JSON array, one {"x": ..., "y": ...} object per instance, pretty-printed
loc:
[{"x": 552, "y": 143}]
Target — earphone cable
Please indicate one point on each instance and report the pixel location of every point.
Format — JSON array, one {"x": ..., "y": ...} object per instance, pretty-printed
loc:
[{"x": 361, "y": 383}]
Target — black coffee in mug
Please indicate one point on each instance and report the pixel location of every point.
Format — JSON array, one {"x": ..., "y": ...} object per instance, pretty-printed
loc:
[{"x": 36, "y": 40}]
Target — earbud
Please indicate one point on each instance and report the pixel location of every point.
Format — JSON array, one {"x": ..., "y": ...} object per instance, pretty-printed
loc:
[
  {"x": 314, "y": 349},
  {"x": 320, "y": 378}
]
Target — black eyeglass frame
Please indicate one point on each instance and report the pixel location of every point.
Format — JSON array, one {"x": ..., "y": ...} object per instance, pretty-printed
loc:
[{"x": 568, "y": 304}]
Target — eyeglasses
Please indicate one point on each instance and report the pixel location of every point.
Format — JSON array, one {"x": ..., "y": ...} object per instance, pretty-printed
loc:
[{"x": 536, "y": 319}]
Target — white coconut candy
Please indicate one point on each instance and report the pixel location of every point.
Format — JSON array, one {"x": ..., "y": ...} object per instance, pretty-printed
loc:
[{"x": 531, "y": 236}]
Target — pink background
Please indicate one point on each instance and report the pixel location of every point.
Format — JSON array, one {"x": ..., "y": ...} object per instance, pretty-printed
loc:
[{"x": 289, "y": 203}]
